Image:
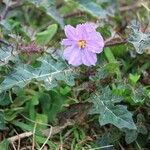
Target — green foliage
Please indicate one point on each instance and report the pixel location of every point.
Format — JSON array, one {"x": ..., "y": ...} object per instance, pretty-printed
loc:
[
  {"x": 2, "y": 121},
  {"x": 38, "y": 89},
  {"x": 6, "y": 54},
  {"x": 110, "y": 57},
  {"x": 133, "y": 95},
  {"x": 134, "y": 78},
  {"x": 140, "y": 40},
  {"x": 51, "y": 104},
  {"x": 93, "y": 8},
  {"x": 107, "y": 70},
  {"x": 50, "y": 9},
  {"x": 104, "y": 105},
  {"x": 12, "y": 113},
  {"x": 50, "y": 72},
  {"x": 110, "y": 137},
  {"x": 65, "y": 90},
  {"x": 132, "y": 135},
  {"x": 44, "y": 37},
  {"x": 4, "y": 145},
  {"x": 4, "y": 99}
]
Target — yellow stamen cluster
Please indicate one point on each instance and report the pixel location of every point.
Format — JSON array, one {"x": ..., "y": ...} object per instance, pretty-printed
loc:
[{"x": 81, "y": 43}]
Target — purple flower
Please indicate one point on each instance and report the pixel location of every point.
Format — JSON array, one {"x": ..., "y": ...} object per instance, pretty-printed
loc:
[{"x": 82, "y": 44}]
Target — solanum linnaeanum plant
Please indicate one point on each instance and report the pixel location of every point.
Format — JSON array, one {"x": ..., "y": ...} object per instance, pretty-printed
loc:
[{"x": 99, "y": 90}]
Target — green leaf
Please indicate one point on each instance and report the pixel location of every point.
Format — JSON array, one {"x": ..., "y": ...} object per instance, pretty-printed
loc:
[
  {"x": 50, "y": 71},
  {"x": 6, "y": 25},
  {"x": 6, "y": 53},
  {"x": 31, "y": 105},
  {"x": 51, "y": 104},
  {"x": 65, "y": 90},
  {"x": 26, "y": 127},
  {"x": 5, "y": 99},
  {"x": 130, "y": 135},
  {"x": 138, "y": 95},
  {"x": 50, "y": 9},
  {"x": 41, "y": 118},
  {"x": 40, "y": 140},
  {"x": 118, "y": 115},
  {"x": 109, "y": 55},
  {"x": 2, "y": 121},
  {"x": 104, "y": 140},
  {"x": 56, "y": 104},
  {"x": 141, "y": 124},
  {"x": 106, "y": 70},
  {"x": 134, "y": 78},
  {"x": 133, "y": 95},
  {"x": 93, "y": 8},
  {"x": 109, "y": 137},
  {"x": 111, "y": 59},
  {"x": 45, "y": 102},
  {"x": 140, "y": 40},
  {"x": 4, "y": 145},
  {"x": 12, "y": 113},
  {"x": 44, "y": 37}
]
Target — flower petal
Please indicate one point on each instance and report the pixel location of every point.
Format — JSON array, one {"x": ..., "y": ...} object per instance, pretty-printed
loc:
[
  {"x": 84, "y": 31},
  {"x": 89, "y": 27},
  {"x": 68, "y": 42},
  {"x": 94, "y": 40},
  {"x": 81, "y": 32},
  {"x": 88, "y": 58},
  {"x": 95, "y": 36},
  {"x": 95, "y": 46},
  {"x": 73, "y": 55},
  {"x": 70, "y": 32}
]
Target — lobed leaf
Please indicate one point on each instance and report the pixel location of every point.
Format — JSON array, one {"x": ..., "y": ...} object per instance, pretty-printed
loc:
[
  {"x": 140, "y": 40},
  {"x": 6, "y": 53},
  {"x": 50, "y": 72},
  {"x": 50, "y": 9},
  {"x": 93, "y": 8},
  {"x": 118, "y": 115}
]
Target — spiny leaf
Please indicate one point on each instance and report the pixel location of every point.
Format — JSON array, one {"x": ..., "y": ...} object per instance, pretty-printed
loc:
[
  {"x": 140, "y": 40},
  {"x": 106, "y": 70},
  {"x": 44, "y": 37},
  {"x": 50, "y": 72},
  {"x": 93, "y": 8},
  {"x": 5, "y": 99},
  {"x": 130, "y": 135},
  {"x": 6, "y": 53},
  {"x": 138, "y": 95},
  {"x": 117, "y": 115},
  {"x": 50, "y": 9}
]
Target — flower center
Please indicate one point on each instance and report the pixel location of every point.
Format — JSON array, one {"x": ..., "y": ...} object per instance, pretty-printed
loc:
[{"x": 81, "y": 43}]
